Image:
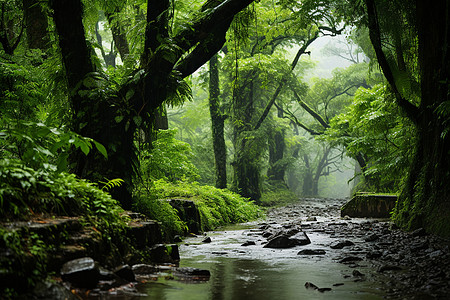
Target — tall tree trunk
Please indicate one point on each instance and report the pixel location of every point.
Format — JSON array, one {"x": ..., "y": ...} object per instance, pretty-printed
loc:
[
  {"x": 93, "y": 117},
  {"x": 36, "y": 23},
  {"x": 246, "y": 170},
  {"x": 217, "y": 124},
  {"x": 277, "y": 147},
  {"x": 425, "y": 201},
  {"x": 307, "y": 187}
]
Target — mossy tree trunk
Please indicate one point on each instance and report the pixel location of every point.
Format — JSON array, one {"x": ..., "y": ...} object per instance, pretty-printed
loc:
[
  {"x": 217, "y": 124},
  {"x": 246, "y": 170}
]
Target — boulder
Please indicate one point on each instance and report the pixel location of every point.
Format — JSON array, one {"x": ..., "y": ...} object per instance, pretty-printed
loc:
[
  {"x": 125, "y": 272},
  {"x": 188, "y": 212},
  {"x": 341, "y": 244},
  {"x": 82, "y": 272},
  {"x": 285, "y": 241},
  {"x": 369, "y": 206},
  {"x": 311, "y": 252}
]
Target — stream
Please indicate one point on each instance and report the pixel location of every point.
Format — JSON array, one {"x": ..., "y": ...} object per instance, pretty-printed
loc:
[{"x": 241, "y": 268}]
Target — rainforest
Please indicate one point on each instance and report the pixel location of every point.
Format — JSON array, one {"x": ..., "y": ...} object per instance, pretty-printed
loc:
[{"x": 260, "y": 149}]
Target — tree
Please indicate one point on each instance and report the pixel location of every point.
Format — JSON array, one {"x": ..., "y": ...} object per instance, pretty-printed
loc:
[
  {"x": 217, "y": 124},
  {"x": 167, "y": 59},
  {"x": 424, "y": 201}
]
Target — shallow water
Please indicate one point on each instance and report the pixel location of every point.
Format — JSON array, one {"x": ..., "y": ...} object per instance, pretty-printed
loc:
[{"x": 254, "y": 272}]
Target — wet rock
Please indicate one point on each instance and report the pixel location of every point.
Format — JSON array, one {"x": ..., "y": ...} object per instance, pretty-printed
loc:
[
  {"x": 310, "y": 285},
  {"x": 341, "y": 244},
  {"x": 371, "y": 237},
  {"x": 338, "y": 284},
  {"x": 177, "y": 239},
  {"x": 374, "y": 254},
  {"x": 384, "y": 268},
  {"x": 248, "y": 243},
  {"x": 144, "y": 269},
  {"x": 188, "y": 212},
  {"x": 357, "y": 273},
  {"x": 125, "y": 272},
  {"x": 81, "y": 272},
  {"x": 311, "y": 252},
  {"x": 311, "y": 219},
  {"x": 284, "y": 241},
  {"x": 207, "y": 240},
  {"x": 164, "y": 253},
  {"x": 192, "y": 274},
  {"x": 144, "y": 233}
]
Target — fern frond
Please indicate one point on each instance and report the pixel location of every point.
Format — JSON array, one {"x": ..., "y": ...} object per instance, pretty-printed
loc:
[{"x": 108, "y": 185}]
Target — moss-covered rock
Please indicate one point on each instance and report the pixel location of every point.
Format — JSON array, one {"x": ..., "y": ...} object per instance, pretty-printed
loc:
[{"x": 369, "y": 206}]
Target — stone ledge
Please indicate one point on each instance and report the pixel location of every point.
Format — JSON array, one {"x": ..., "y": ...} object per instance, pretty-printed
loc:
[{"x": 369, "y": 206}]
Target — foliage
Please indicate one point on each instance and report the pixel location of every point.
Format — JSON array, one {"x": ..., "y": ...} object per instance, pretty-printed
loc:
[
  {"x": 167, "y": 159},
  {"x": 217, "y": 207},
  {"x": 37, "y": 144},
  {"x": 372, "y": 125}
]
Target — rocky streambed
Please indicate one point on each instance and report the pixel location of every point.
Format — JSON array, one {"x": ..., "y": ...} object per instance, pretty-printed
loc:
[{"x": 308, "y": 251}]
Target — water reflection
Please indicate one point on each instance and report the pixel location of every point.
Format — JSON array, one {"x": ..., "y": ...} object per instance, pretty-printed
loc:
[
  {"x": 257, "y": 273},
  {"x": 235, "y": 279}
]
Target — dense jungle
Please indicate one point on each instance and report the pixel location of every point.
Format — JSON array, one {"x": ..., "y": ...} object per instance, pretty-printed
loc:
[{"x": 142, "y": 141}]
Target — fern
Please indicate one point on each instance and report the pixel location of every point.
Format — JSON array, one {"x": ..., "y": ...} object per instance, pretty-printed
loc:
[{"x": 110, "y": 184}]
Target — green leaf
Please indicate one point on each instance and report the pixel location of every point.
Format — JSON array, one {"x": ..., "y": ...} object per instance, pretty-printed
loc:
[
  {"x": 101, "y": 149},
  {"x": 118, "y": 119}
]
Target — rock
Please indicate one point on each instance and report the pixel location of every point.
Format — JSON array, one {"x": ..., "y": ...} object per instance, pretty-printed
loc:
[
  {"x": 188, "y": 212},
  {"x": 371, "y": 237},
  {"x": 207, "y": 240},
  {"x": 341, "y": 244},
  {"x": 311, "y": 219},
  {"x": 357, "y": 273},
  {"x": 144, "y": 233},
  {"x": 369, "y": 206},
  {"x": 164, "y": 253},
  {"x": 248, "y": 243},
  {"x": 310, "y": 285},
  {"x": 384, "y": 268},
  {"x": 177, "y": 239},
  {"x": 82, "y": 272},
  {"x": 143, "y": 269},
  {"x": 284, "y": 241},
  {"x": 125, "y": 272},
  {"x": 338, "y": 284},
  {"x": 192, "y": 274},
  {"x": 324, "y": 289},
  {"x": 311, "y": 252},
  {"x": 374, "y": 254}
]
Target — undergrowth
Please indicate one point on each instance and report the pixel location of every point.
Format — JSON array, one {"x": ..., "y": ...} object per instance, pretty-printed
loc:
[{"x": 217, "y": 207}]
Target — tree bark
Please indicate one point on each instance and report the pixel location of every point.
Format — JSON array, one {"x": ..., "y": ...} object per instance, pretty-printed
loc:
[
  {"x": 217, "y": 124},
  {"x": 36, "y": 23}
]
